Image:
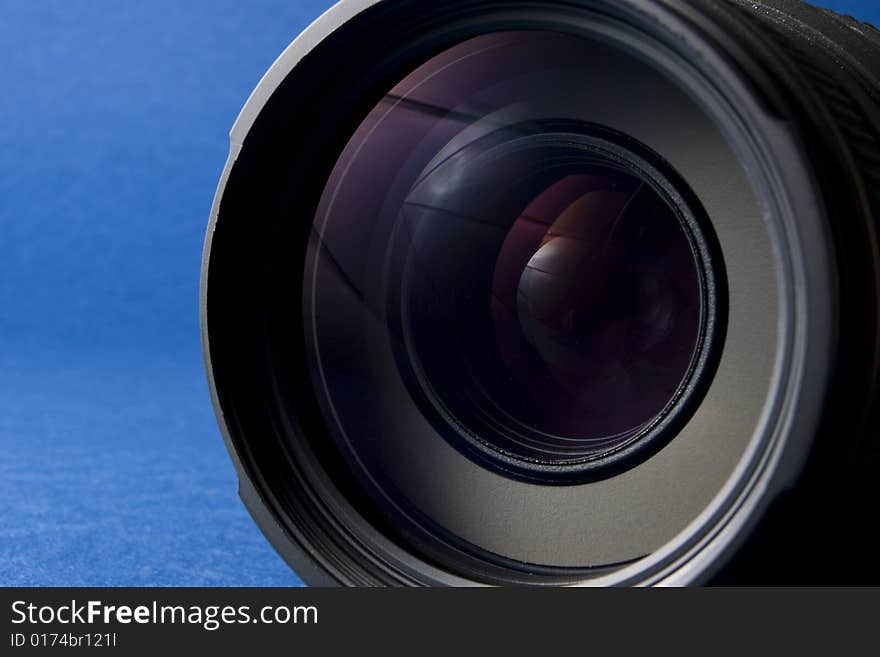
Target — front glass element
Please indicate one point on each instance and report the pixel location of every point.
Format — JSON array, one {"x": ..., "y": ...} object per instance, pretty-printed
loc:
[{"x": 488, "y": 270}]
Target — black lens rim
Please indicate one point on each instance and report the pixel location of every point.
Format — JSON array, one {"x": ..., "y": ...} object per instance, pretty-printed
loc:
[
  {"x": 617, "y": 150},
  {"x": 305, "y": 517}
]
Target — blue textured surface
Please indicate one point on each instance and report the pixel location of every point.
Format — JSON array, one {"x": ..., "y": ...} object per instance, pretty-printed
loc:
[{"x": 113, "y": 131}]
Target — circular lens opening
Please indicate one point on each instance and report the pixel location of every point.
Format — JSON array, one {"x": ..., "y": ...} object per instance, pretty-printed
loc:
[
  {"x": 552, "y": 295},
  {"x": 494, "y": 268}
]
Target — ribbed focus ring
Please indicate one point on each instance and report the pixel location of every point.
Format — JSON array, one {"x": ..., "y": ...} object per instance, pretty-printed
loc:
[
  {"x": 839, "y": 58},
  {"x": 833, "y": 69}
]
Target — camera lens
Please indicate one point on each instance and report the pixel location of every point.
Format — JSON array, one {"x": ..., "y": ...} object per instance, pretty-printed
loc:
[
  {"x": 554, "y": 293},
  {"x": 540, "y": 280}
]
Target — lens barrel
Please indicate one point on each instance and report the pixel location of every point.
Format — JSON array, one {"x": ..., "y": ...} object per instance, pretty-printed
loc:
[{"x": 579, "y": 293}]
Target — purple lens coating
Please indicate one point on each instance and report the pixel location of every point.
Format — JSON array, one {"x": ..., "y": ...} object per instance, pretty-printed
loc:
[
  {"x": 543, "y": 300},
  {"x": 596, "y": 304}
]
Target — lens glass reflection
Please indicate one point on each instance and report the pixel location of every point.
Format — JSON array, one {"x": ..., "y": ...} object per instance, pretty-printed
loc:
[{"x": 484, "y": 270}]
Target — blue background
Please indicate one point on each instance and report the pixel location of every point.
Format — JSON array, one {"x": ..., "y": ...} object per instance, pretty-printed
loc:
[{"x": 113, "y": 132}]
